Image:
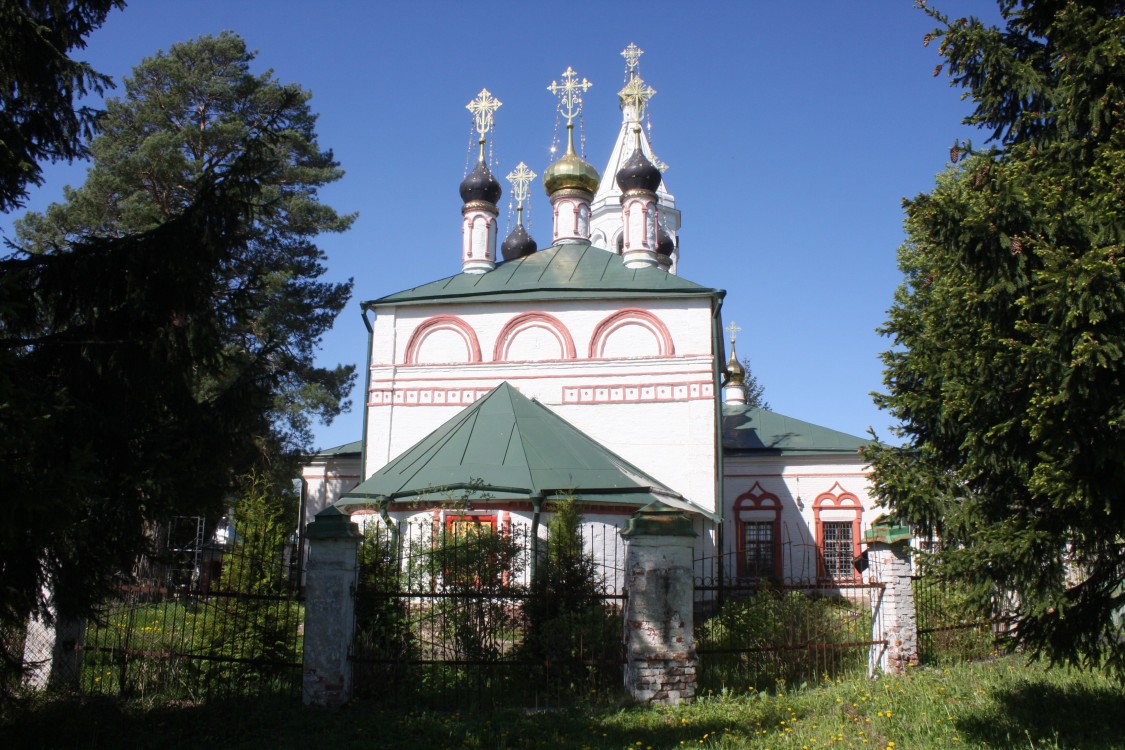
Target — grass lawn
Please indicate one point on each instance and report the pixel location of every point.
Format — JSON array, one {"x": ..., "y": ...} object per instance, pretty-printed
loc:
[{"x": 1002, "y": 703}]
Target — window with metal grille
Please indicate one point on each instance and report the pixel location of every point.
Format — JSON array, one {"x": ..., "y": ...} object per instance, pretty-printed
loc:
[
  {"x": 838, "y": 549},
  {"x": 757, "y": 537}
]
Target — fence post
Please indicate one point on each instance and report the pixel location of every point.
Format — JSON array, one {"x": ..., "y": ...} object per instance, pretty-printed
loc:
[
  {"x": 888, "y": 551},
  {"x": 330, "y": 608},
  {"x": 660, "y": 658}
]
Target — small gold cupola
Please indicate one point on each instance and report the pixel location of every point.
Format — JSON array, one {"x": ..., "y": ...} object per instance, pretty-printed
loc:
[
  {"x": 571, "y": 181},
  {"x": 734, "y": 391}
]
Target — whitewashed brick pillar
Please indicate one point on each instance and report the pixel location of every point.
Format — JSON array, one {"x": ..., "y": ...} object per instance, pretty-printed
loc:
[
  {"x": 330, "y": 580},
  {"x": 660, "y": 658},
  {"x": 894, "y": 619},
  {"x": 52, "y": 649}
]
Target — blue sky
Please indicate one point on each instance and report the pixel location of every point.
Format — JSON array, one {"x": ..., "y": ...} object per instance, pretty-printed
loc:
[{"x": 792, "y": 131}]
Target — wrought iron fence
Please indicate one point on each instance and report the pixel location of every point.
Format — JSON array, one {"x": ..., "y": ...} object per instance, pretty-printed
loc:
[
  {"x": 462, "y": 614},
  {"x": 229, "y": 624},
  {"x": 761, "y": 632},
  {"x": 758, "y": 635},
  {"x": 951, "y": 627}
]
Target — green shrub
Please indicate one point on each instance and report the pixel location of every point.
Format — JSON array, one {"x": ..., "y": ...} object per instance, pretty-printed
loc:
[
  {"x": 952, "y": 625},
  {"x": 384, "y": 639},
  {"x": 252, "y": 637},
  {"x": 774, "y": 637},
  {"x": 570, "y": 628}
]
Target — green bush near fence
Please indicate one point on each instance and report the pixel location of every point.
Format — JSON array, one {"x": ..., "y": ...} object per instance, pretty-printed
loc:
[
  {"x": 952, "y": 627},
  {"x": 173, "y": 642},
  {"x": 458, "y": 616},
  {"x": 571, "y": 629},
  {"x": 775, "y": 638},
  {"x": 134, "y": 651},
  {"x": 383, "y": 634}
]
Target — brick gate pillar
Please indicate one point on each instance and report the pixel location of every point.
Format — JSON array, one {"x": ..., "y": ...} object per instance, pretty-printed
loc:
[
  {"x": 330, "y": 580},
  {"x": 660, "y": 659},
  {"x": 888, "y": 553},
  {"x": 52, "y": 650}
]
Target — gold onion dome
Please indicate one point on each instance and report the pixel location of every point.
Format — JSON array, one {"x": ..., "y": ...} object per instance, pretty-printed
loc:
[
  {"x": 736, "y": 375},
  {"x": 571, "y": 171}
]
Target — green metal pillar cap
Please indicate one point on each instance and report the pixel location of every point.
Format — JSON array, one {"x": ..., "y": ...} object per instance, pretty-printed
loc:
[
  {"x": 884, "y": 530},
  {"x": 332, "y": 523},
  {"x": 658, "y": 519}
]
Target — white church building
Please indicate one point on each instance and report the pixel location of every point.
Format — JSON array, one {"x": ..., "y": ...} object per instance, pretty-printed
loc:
[{"x": 589, "y": 369}]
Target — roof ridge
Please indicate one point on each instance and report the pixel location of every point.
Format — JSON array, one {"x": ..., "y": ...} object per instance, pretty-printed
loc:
[{"x": 559, "y": 271}]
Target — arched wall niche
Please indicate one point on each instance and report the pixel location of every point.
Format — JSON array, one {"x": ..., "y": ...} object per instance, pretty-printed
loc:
[
  {"x": 533, "y": 337},
  {"x": 442, "y": 339},
  {"x": 631, "y": 332}
]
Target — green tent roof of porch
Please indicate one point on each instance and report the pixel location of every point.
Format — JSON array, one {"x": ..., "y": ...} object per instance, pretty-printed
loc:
[{"x": 508, "y": 447}]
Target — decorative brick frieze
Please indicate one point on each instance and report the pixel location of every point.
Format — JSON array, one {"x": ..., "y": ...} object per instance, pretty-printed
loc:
[
  {"x": 579, "y": 394},
  {"x": 637, "y": 393}
]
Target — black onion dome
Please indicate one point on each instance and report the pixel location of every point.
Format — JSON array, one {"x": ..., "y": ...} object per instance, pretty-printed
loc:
[
  {"x": 480, "y": 185},
  {"x": 518, "y": 244},
  {"x": 638, "y": 173},
  {"x": 665, "y": 244}
]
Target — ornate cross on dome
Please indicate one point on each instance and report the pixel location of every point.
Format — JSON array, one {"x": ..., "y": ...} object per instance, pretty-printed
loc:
[
  {"x": 733, "y": 329},
  {"x": 521, "y": 178},
  {"x": 569, "y": 93},
  {"x": 636, "y": 95},
  {"x": 482, "y": 108},
  {"x": 632, "y": 55}
]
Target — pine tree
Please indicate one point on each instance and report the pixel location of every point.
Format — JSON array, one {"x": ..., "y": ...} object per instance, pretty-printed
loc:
[
  {"x": 182, "y": 125},
  {"x": 253, "y": 622},
  {"x": 157, "y": 333}
]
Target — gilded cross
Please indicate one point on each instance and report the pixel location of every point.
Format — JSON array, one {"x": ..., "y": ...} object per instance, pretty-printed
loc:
[
  {"x": 482, "y": 108},
  {"x": 569, "y": 93},
  {"x": 520, "y": 178},
  {"x": 636, "y": 94},
  {"x": 733, "y": 330},
  {"x": 632, "y": 55}
]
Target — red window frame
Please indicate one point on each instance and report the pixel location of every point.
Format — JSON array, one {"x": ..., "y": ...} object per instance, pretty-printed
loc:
[
  {"x": 837, "y": 499},
  {"x": 452, "y": 522},
  {"x": 755, "y": 501}
]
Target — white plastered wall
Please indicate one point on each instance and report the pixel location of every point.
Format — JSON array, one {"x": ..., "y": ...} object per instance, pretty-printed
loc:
[
  {"x": 797, "y": 481},
  {"x": 326, "y": 479},
  {"x": 656, "y": 410}
]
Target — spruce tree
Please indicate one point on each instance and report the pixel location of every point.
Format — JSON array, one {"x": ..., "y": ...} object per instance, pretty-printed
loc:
[
  {"x": 1008, "y": 364},
  {"x": 40, "y": 87}
]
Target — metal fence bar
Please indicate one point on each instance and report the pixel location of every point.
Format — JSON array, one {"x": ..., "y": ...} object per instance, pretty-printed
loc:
[
  {"x": 453, "y": 618},
  {"x": 171, "y": 635}
]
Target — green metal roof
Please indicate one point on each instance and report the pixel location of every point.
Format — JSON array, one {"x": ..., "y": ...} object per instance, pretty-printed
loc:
[
  {"x": 570, "y": 271},
  {"x": 353, "y": 448},
  {"x": 508, "y": 447},
  {"x": 748, "y": 431}
]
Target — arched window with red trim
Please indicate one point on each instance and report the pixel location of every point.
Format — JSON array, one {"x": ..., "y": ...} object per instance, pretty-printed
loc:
[
  {"x": 757, "y": 517},
  {"x": 837, "y": 513}
]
